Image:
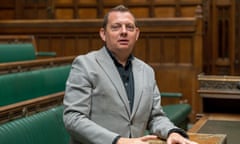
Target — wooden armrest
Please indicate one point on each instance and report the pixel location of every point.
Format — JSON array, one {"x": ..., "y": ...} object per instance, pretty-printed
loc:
[
  {"x": 52, "y": 54},
  {"x": 171, "y": 94},
  {"x": 34, "y": 64}
]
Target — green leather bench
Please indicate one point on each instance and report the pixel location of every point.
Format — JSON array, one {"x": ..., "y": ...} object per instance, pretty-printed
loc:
[
  {"x": 177, "y": 113},
  {"x": 17, "y": 87},
  {"x": 45, "y": 127},
  {"x": 42, "y": 128},
  {"x": 20, "y": 52}
]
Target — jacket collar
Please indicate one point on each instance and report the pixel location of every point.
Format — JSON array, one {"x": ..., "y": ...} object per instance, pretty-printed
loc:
[{"x": 107, "y": 64}]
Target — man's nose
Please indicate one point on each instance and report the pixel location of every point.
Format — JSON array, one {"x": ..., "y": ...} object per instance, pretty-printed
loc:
[{"x": 124, "y": 29}]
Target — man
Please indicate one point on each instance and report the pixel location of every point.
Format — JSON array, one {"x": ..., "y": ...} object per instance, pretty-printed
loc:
[{"x": 111, "y": 96}]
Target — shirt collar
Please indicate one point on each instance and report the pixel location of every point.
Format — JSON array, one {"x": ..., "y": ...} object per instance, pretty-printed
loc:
[{"x": 130, "y": 58}]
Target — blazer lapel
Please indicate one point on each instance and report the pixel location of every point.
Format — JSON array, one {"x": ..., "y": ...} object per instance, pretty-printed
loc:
[
  {"x": 138, "y": 84},
  {"x": 105, "y": 61}
]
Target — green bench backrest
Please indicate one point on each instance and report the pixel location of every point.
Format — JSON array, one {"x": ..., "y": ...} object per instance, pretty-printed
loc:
[
  {"x": 16, "y": 87},
  {"x": 42, "y": 128},
  {"x": 17, "y": 52}
]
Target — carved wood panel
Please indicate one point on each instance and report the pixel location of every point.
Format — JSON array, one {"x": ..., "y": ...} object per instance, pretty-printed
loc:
[{"x": 221, "y": 37}]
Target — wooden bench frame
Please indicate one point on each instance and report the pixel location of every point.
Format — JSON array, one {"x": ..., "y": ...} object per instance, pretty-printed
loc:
[
  {"x": 18, "y": 39},
  {"x": 38, "y": 102},
  {"x": 34, "y": 64},
  {"x": 28, "y": 107}
]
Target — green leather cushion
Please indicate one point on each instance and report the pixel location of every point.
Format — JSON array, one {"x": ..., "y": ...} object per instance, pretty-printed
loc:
[
  {"x": 42, "y": 128},
  {"x": 177, "y": 113},
  {"x": 21, "y": 86},
  {"x": 17, "y": 52}
]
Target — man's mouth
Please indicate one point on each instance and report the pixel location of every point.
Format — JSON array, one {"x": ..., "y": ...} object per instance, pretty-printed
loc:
[{"x": 123, "y": 42}]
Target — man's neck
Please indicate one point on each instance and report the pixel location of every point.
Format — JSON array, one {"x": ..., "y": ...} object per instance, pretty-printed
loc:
[{"x": 121, "y": 57}]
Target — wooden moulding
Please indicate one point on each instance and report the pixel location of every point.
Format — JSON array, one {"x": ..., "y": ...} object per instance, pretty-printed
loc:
[
  {"x": 200, "y": 139},
  {"x": 216, "y": 86},
  {"x": 29, "y": 107},
  {"x": 187, "y": 24},
  {"x": 20, "y": 66}
]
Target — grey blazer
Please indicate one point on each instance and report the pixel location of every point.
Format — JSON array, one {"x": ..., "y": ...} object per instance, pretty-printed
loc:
[{"x": 96, "y": 104}]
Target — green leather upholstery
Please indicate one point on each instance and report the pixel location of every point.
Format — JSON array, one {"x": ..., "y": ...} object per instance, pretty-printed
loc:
[
  {"x": 42, "y": 128},
  {"x": 21, "y": 52},
  {"x": 21, "y": 86},
  {"x": 17, "y": 52},
  {"x": 177, "y": 113}
]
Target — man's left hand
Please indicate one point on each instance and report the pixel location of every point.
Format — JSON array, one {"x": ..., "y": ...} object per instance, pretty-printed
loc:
[{"x": 175, "y": 138}]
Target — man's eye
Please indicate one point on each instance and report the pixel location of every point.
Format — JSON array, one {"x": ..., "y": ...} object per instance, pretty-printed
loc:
[
  {"x": 130, "y": 27},
  {"x": 116, "y": 27}
]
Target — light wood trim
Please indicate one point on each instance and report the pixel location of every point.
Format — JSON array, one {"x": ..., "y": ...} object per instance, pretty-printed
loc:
[
  {"x": 223, "y": 78},
  {"x": 213, "y": 116},
  {"x": 198, "y": 124},
  {"x": 200, "y": 139},
  {"x": 225, "y": 117},
  {"x": 214, "y": 91}
]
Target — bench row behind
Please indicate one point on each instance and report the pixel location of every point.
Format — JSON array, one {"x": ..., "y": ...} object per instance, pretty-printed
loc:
[
  {"x": 20, "y": 66},
  {"x": 45, "y": 127},
  {"x": 31, "y": 91},
  {"x": 20, "y": 48}
]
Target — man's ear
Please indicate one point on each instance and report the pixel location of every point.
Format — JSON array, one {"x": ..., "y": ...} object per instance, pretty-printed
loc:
[
  {"x": 138, "y": 33},
  {"x": 102, "y": 34}
]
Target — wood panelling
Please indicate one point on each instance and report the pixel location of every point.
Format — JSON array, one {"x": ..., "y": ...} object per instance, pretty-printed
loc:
[
  {"x": 82, "y": 9},
  {"x": 172, "y": 45},
  {"x": 221, "y": 35},
  {"x": 86, "y": 13},
  {"x": 64, "y": 14}
]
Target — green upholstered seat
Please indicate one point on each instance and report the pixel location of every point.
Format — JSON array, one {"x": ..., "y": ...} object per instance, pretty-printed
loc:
[
  {"x": 17, "y": 52},
  {"x": 42, "y": 128},
  {"x": 21, "y": 52},
  {"x": 177, "y": 113},
  {"x": 16, "y": 87}
]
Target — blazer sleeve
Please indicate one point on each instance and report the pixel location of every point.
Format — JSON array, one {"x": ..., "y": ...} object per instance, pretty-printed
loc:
[{"x": 159, "y": 123}]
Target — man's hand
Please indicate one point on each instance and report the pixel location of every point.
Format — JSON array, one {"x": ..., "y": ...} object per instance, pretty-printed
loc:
[
  {"x": 175, "y": 138},
  {"x": 140, "y": 140}
]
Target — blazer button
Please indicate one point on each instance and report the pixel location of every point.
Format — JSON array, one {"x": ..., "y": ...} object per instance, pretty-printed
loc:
[{"x": 131, "y": 122}]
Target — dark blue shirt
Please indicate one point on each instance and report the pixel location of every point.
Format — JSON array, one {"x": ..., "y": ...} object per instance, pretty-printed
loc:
[{"x": 126, "y": 75}]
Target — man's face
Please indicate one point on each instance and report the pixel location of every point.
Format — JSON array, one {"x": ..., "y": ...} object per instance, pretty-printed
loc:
[{"x": 121, "y": 33}]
